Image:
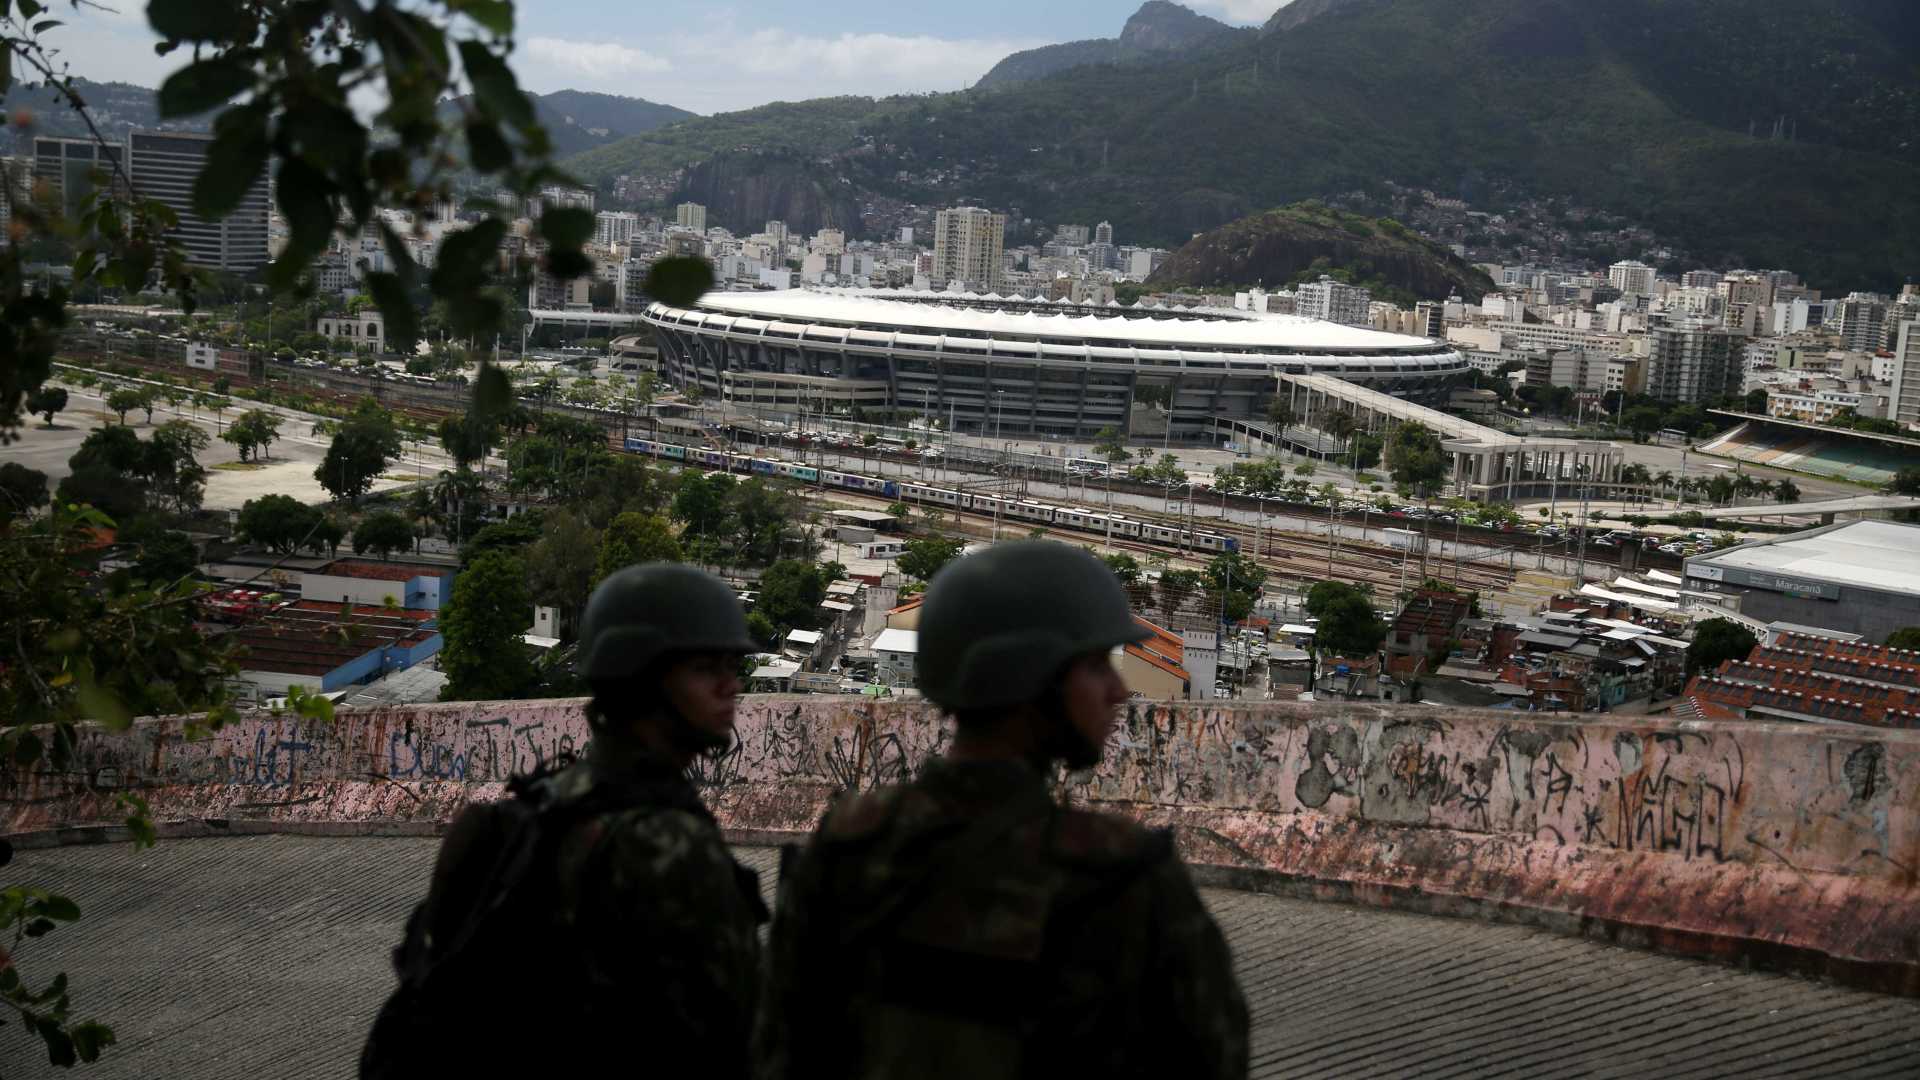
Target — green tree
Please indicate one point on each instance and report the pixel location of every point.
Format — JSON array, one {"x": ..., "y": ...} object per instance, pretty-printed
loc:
[
  {"x": 149, "y": 399},
  {"x": 1907, "y": 637},
  {"x": 513, "y": 535},
  {"x": 563, "y": 562},
  {"x": 327, "y": 535},
  {"x": 123, "y": 401},
  {"x": 1347, "y": 624},
  {"x": 1905, "y": 482},
  {"x": 1235, "y": 581},
  {"x": 166, "y": 557},
  {"x": 381, "y": 534},
  {"x": 1125, "y": 567},
  {"x": 703, "y": 504},
  {"x": 485, "y": 657},
  {"x": 280, "y": 523},
  {"x": 790, "y": 594},
  {"x": 1108, "y": 444},
  {"x": 1177, "y": 587},
  {"x": 924, "y": 556},
  {"x": 365, "y": 444},
  {"x": 22, "y": 491},
  {"x": 253, "y": 429},
  {"x": 1642, "y": 420},
  {"x": 1715, "y": 641},
  {"x": 177, "y": 478},
  {"x": 634, "y": 538},
  {"x": 46, "y": 401}
]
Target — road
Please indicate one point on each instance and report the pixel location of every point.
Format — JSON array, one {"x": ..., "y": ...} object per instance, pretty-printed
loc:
[{"x": 266, "y": 956}]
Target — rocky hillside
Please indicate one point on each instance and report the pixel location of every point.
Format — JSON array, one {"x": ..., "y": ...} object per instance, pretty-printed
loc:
[
  {"x": 1283, "y": 247},
  {"x": 743, "y": 190},
  {"x": 1158, "y": 29},
  {"x": 1300, "y": 12},
  {"x": 580, "y": 120}
]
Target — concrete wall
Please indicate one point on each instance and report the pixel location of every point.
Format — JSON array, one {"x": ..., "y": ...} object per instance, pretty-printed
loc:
[{"x": 1791, "y": 845}]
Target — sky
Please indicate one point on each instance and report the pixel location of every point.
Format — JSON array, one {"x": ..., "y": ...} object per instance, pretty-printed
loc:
[{"x": 719, "y": 55}]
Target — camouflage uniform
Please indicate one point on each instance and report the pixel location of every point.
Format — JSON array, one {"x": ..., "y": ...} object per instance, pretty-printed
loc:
[
  {"x": 965, "y": 925},
  {"x": 657, "y": 924}
]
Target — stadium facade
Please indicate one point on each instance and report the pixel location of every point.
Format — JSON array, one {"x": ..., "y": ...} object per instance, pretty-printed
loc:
[{"x": 993, "y": 364}]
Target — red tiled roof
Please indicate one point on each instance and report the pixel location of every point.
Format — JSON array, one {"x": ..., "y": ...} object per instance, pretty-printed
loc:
[
  {"x": 1164, "y": 650},
  {"x": 911, "y": 603},
  {"x": 300, "y": 640},
  {"x": 1433, "y": 611},
  {"x": 379, "y": 571},
  {"x": 1815, "y": 677}
]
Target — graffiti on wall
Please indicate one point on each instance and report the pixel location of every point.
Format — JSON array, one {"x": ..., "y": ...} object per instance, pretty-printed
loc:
[{"x": 1814, "y": 798}]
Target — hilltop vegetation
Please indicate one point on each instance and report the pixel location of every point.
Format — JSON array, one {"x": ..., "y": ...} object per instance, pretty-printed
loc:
[
  {"x": 1556, "y": 98},
  {"x": 1281, "y": 248}
]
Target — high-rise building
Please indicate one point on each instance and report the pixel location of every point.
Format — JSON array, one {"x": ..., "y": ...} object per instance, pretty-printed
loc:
[
  {"x": 1699, "y": 279},
  {"x": 18, "y": 176},
  {"x": 1430, "y": 319},
  {"x": 1693, "y": 362},
  {"x": 967, "y": 249},
  {"x": 1333, "y": 301},
  {"x": 1863, "y": 317},
  {"x": 1071, "y": 235},
  {"x": 1103, "y": 233},
  {"x": 691, "y": 215},
  {"x": 612, "y": 228},
  {"x": 63, "y": 169},
  {"x": 1904, "y": 404},
  {"x": 1631, "y": 277},
  {"x": 165, "y": 165},
  {"x": 777, "y": 234}
]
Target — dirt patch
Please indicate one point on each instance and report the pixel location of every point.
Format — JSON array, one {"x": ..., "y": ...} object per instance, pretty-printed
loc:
[{"x": 240, "y": 466}]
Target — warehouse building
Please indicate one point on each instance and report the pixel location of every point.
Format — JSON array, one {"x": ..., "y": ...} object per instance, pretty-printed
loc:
[{"x": 1858, "y": 577}]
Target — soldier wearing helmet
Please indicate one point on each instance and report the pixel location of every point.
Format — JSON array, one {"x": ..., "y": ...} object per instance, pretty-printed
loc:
[
  {"x": 968, "y": 925},
  {"x": 622, "y": 908}
]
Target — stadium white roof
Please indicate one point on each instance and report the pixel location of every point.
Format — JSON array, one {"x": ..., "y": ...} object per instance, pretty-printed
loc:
[
  {"x": 1207, "y": 329},
  {"x": 1868, "y": 554}
]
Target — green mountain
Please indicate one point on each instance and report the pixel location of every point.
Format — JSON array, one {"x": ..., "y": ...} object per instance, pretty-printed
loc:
[
  {"x": 1281, "y": 248},
  {"x": 579, "y": 120},
  {"x": 1157, "y": 29},
  {"x": 1744, "y": 132}
]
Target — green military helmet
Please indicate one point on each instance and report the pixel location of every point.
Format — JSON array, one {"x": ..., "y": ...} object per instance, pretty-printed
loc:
[
  {"x": 996, "y": 628},
  {"x": 641, "y": 613}
]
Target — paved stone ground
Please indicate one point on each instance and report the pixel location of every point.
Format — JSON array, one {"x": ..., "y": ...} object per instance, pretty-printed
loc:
[{"x": 266, "y": 957}]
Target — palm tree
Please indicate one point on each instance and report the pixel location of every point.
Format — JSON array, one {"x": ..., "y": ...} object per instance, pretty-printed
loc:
[
  {"x": 1281, "y": 417},
  {"x": 1786, "y": 491},
  {"x": 1664, "y": 480},
  {"x": 1340, "y": 425}
]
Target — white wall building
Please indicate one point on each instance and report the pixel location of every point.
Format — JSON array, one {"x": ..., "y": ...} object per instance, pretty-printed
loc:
[
  {"x": 968, "y": 245},
  {"x": 1333, "y": 301}
]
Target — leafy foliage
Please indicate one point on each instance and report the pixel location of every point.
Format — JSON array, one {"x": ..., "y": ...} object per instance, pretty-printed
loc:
[
  {"x": 634, "y": 538},
  {"x": 1716, "y": 641},
  {"x": 362, "y": 448},
  {"x": 485, "y": 657},
  {"x": 282, "y": 523},
  {"x": 925, "y": 556},
  {"x": 381, "y": 534}
]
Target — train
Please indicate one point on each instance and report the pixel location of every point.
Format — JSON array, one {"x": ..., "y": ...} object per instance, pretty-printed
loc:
[{"x": 1062, "y": 517}]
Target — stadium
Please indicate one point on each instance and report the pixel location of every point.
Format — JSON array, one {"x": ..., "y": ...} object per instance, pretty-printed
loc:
[{"x": 993, "y": 364}]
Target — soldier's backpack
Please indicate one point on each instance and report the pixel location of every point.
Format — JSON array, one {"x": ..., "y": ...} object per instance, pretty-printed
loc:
[{"x": 486, "y": 970}]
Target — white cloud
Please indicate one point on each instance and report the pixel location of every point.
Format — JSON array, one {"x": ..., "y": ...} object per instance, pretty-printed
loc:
[
  {"x": 1241, "y": 11},
  {"x": 889, "y": 61},
  {"x": 596, "y": 61}
]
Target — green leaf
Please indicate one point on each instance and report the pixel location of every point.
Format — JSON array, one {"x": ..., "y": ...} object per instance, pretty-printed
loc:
[
  {"x": 198, "y": 20},
  {"x": 568, "y": 264},
  {"x": 492, "y": 392},
  {"x": 59, "y": 1044},
  {"x": 90, "y": 1038},
  {"x": 302, "y": 192},
  {"x": 495, "y": 16},
  {"x": 236, "y": 159},
  {"x": 679, "y": 281},
  {"x": 103, "y": 705},
  {"x": 403, "y": 320},
  {"x": 38, "y": 927},
  {"x": 494, "y": 86},
  {"x": 205, "y": 84},
  {"x": 28, "y": 8},
  {"x": 45, "y": 25},
  {"x": 566, "y": 227},
  {"x": 486, "y": 147},
  {"x": 59, "y": 907},
  {"x": 466, "y": 258}
]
